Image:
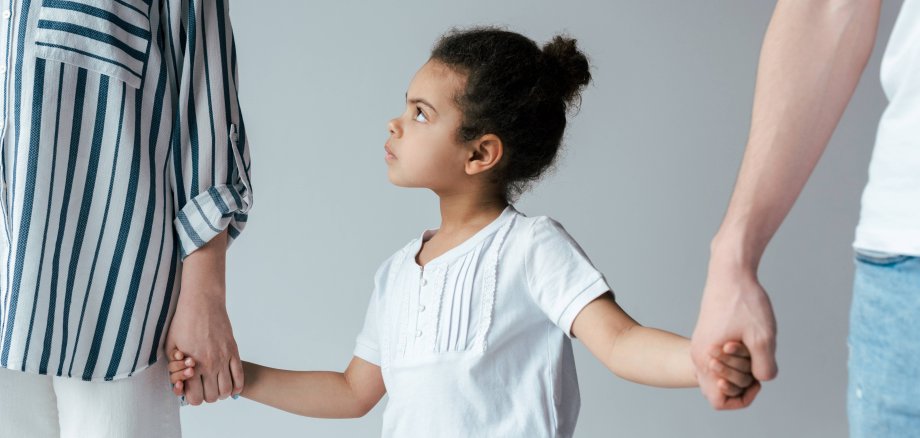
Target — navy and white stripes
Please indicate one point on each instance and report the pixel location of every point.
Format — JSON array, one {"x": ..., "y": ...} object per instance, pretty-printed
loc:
[
  {"x": 123, "y": 151},
  {"x": 114, "y": 41}
]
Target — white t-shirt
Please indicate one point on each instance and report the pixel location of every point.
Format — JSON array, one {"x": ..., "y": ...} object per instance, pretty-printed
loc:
[
  {"x": 478, "y": 342},
  {"x": 890, "y": 217}
]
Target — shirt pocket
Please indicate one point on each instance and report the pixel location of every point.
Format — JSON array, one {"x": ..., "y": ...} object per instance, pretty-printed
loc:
[{"x": 108, "y": 37}]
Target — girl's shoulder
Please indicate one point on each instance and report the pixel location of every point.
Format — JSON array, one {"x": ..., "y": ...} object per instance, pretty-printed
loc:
[{"x": 532, "y": 230}]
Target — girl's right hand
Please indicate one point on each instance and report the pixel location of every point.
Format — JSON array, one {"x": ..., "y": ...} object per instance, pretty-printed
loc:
[{"x": 181, "y": 368}]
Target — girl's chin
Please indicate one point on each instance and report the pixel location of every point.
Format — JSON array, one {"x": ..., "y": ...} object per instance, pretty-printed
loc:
[{"x": 398, "y": 182}]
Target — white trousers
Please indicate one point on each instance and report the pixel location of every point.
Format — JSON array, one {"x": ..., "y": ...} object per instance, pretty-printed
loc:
[{"x": 140, "y": 406}]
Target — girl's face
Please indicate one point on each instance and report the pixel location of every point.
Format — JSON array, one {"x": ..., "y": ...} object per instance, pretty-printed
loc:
[{"x": 423, "y": 149}]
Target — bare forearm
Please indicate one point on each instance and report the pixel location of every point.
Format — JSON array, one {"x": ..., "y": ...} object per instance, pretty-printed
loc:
[
  {"x": 652, "y": 357},
  {"x": 321, "y": 394},
  {"x": 206, "y": 270},
  {"x": 812, "y": 57},
  {"x": 640, "y": 354}
]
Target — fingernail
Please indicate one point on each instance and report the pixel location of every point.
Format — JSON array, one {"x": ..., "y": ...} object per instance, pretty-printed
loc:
[{"x": 188, "y": 362}]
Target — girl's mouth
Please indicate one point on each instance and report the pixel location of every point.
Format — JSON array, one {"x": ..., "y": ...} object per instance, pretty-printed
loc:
[{"x": 389, "y": 153}]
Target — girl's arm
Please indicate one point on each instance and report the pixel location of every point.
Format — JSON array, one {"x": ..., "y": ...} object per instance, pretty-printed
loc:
[
  {"x": 321, "y": 394},
  {"x": 641, "y": 354}
]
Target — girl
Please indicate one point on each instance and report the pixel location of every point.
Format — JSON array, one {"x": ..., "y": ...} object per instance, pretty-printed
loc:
[{"x": 469, "y": 325}]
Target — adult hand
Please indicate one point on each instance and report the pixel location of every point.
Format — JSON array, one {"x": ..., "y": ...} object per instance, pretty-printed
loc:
[
  {"x": 201, "y": 327},
  {"x": 735, "y": 307}
]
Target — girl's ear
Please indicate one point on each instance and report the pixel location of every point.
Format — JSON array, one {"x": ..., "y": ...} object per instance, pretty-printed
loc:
[{"x": 485, "y": 153}]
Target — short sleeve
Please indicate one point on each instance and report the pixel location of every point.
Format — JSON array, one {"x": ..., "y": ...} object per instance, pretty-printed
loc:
[
  {"x": 367, "y": 344},
  {"x": 560, "y": 277}
]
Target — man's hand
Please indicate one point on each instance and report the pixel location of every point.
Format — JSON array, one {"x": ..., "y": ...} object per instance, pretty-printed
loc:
[
  {"x": 201, "y": 328},
  {"x": 734, "y": 308}
]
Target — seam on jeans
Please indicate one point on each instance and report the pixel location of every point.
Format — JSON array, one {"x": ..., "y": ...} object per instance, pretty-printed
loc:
[{"x": 891, "y": 260}]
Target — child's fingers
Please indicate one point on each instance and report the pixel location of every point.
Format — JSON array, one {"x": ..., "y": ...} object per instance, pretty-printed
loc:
[
  {"x": 181, "y": 375},
  {"x": 177, "y": 365},
  {"x": 737, "y": 378},
  {"x": 729, "y": 389},
  {"x": 750, "y": 393},
  {"x": 177, "y": 355},
  {"x": 739, "y": 363},
  {"x": 736, "y": 349},
  {"x": 734, "y": 355},
  {"x": 178, "y": 388}
]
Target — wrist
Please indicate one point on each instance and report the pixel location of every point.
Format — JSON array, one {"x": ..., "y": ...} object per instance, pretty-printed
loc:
[
  {"x": 687, "y": 371},
  {"x": 251, "y": 371},
  {"x": 204, "y": 275},
  {"x": 734, "y": 251},
  {"x": 202, "y": 297}
]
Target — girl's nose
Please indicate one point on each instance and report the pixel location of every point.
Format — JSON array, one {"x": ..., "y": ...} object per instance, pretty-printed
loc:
[{"x": 394, "y": 127}]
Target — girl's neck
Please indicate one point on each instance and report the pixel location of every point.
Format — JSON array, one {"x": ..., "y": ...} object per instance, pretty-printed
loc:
[
  {"x": 462, "y": 212},
  {"x": 462, "y": 216}
]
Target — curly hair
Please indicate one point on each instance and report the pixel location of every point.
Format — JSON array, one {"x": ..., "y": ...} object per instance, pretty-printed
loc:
[{"x": 517, "y": 91}]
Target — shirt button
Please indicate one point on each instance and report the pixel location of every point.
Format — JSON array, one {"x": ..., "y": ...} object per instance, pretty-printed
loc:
[
  {"x": 418, "y": 334},
  {"x": 6, "y": 14},
  {"x": 424, "y": 282},
  {"x": 421, "y": 308}
]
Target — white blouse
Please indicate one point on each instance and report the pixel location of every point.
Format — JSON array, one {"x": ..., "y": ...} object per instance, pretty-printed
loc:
[{"x": 477, "y": 343}]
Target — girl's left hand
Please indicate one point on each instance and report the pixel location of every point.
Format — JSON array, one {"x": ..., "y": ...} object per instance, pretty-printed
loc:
[{"x": 732, "y": 363}]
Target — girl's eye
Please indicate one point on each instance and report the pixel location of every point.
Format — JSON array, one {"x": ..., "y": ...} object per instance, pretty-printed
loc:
[{"x": 420, "y": 116}]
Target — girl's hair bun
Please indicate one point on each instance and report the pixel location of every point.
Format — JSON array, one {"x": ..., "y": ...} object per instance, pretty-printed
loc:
[{"x": 567, "y": 66}]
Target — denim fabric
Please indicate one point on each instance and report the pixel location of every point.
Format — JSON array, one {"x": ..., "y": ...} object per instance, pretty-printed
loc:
[{"x": 884, "y": 342}]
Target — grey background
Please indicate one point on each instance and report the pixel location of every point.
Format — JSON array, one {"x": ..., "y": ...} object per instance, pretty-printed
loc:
[{"x": 642, "y": 185}]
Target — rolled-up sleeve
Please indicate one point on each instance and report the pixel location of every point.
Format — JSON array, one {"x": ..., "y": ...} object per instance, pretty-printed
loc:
[{"x": 209, "y": 152}]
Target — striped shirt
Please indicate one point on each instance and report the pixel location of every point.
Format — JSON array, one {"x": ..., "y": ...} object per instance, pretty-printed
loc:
[{"x": 123, "y": 151}]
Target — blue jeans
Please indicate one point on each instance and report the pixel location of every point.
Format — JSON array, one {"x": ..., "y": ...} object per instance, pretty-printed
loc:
[{"x": 883, "y": 397}]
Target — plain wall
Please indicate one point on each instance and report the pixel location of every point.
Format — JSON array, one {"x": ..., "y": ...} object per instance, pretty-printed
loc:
[{"x": 643, "y": 182}]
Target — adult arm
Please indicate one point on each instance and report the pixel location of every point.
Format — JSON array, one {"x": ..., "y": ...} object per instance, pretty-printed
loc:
[
  {"x": 812, "y": 57},
  {"x": 209, "y": 175}
]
